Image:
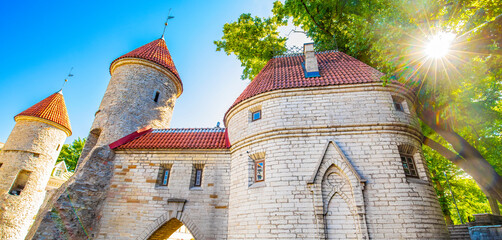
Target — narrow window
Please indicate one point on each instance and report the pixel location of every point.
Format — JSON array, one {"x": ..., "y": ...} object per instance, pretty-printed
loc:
[
  {"x": 57, "y": 149},
  {"x": 409, "y": 167},
  {"x": 165, "y": 177},
  {"x": 1, "y": 164},
  {"x": 398, "y": 103},
  {"x": 398, "y": 106},
  {"x": 259, "y": 171},
  {"x": 156, "y": 98},
  {"x": 20, "y": 183},
  {"x": 256, "y": 115},
  {"x": 198, "y": 178}
]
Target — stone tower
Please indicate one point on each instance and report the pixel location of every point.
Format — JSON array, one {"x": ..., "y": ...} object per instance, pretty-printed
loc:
[
  {"x": 142, "y": 91},
  {"x": 26, "y": 162}
]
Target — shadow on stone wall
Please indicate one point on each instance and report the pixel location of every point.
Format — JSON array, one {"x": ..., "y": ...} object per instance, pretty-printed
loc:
[{"x": 73, "y": 212}]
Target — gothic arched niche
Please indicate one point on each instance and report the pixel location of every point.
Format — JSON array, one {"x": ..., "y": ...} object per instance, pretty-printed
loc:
[
  {"x": 337, "y": 194},
  {"x": 339, "y": 206}
]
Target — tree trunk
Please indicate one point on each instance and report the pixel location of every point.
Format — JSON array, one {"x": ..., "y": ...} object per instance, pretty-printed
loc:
[
  {"x": 468, "y": 158},
  {"x": 493, "y": 205},
  {"x": 442, "y": 198}
]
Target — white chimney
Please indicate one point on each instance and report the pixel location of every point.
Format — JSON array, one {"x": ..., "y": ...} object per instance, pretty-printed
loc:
[{"x": 311, "y": 67}]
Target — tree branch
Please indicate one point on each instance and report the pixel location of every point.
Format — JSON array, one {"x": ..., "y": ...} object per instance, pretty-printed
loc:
[{"x": 313, "y": 19}]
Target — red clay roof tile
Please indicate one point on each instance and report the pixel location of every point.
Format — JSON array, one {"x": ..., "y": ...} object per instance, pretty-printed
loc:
[
  {"x": 283, "y": 72},
  {"x": 156, "y": 52},
  {"x": 52, "y": 108},
  {"x": 180, "y": 138}
]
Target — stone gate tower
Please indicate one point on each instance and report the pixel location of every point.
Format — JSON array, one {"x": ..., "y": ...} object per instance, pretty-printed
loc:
[
  {"x": 142, "y": 91},
  {"x": 26, "y": 162}
]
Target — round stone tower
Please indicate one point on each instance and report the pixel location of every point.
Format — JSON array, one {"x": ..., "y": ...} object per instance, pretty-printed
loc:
[
  {"x": 322, "y": 150},
  {"x": 26, "y": 162},
  {"x": 142, "y": 91}
]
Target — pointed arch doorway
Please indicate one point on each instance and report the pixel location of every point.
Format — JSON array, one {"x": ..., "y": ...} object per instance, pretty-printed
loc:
[{"x": 173, "y": 229}]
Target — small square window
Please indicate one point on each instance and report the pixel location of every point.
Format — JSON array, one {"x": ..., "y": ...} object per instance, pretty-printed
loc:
[
  {"x": 165, "y": 177},
  {"x": 398, "y": 103},
  {"x": 58, "y": 173},
  {"x": 20, "y": 182},
  {"x": 409, "y": 167},
  {"x": 198, "y": 178},
  {"x": 259, "y": 171},
  {"x": 256, "y": 115}
]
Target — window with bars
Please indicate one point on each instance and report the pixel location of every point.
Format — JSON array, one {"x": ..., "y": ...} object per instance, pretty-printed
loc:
[
  {"x": 198, "y": 178},
  {"x": 197, "y": 175},
  {"x": 259, "y": 171},
  {"x": 409, "y": 166},
  {"x": 164, "y": 175}
]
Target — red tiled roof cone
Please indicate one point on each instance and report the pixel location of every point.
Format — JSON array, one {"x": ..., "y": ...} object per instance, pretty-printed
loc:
[
  {"x": 52, "y": 108},
  {"x": 284, "y": 72},
  {"x": 156, "y": 52}
]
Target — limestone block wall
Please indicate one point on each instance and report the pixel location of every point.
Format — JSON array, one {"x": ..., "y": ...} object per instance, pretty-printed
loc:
[
  {"x": 128, "y": 103},
  {"x": 292, "y": 136},
  {"x": 32, "y": 146},
  {"x": 137, "y": 208}
]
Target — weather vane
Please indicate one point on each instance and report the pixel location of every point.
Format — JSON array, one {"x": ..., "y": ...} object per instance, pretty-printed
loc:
[
  {"x": 167, "y": 21},
  {"x": 66, "y": 79}
]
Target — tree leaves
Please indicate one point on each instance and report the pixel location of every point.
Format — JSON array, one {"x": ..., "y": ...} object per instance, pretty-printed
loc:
[
  {"x": 71, "y": 153},
  {"x": 253, "y": 40}
]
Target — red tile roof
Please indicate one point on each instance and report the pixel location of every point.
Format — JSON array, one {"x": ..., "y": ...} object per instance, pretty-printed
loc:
[
  {"x": 335, "y": 68},
  {"x": 52, "y": 108},
  {"x": 180, "y": 138},
  {"x": 156, "y": 52}
]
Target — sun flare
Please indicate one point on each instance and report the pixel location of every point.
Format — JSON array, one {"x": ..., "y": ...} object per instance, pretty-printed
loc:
[{"x": 439, "y": 45}]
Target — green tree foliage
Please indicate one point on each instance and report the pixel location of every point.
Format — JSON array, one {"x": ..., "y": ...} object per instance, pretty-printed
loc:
[
  {"x": 459, "y": 96},
  {"x": 469, "y": 198},
  {"x": 253, "y": 40},
  {"x": 70, "y": 153}
]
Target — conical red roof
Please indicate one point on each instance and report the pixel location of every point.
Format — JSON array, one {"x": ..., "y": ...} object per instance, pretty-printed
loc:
[
  {"x": 156, "y": 52},
  {"x": 52, "y": 108}
]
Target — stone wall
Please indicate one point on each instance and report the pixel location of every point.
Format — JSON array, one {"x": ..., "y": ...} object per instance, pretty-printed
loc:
[
  {"x": 128, "y": 103},
  {"x": 137, "y": 207},
  {"x": 32, "y": 146},
  {"x": 295, "y": 128},
  {"x": 75, "y": 210}
]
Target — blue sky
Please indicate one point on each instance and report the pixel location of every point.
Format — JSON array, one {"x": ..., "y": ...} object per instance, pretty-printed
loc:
[{"x": 41, "y": 40}]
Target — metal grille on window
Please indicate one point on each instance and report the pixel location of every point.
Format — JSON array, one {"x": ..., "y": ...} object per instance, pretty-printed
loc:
[
  {"x": 260, "y": 171},
  {"x": 198, "y": 177},
  {"x": 165, "y": 177},
  {"x": 409, "y": 166}
]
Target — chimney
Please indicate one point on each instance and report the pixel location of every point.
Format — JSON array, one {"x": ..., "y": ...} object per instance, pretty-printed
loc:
[{"x": 310, "y": 66}]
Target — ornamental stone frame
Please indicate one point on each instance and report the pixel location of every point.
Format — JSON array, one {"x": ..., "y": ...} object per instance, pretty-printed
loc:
[{"x": 356, "y": 200}]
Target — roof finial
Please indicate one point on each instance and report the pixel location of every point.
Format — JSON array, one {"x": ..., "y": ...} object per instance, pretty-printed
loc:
[
  {"x": 167, "y": 21},
  {"x": 66, "y": 80}
]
